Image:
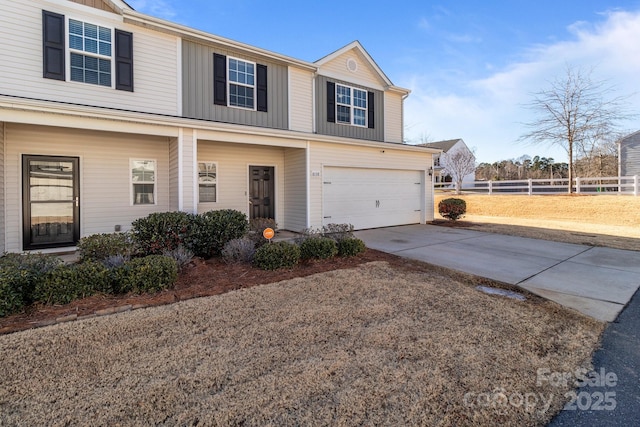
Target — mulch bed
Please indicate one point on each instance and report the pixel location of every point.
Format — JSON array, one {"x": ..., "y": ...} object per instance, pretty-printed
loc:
[{"x": 201, "y": 278}]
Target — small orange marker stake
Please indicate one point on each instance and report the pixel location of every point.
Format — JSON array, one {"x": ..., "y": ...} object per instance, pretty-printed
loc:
[{"x": 268, "y": 234}]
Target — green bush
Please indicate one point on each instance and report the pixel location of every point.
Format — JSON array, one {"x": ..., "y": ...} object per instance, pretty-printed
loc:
[
  {"x": 452, "y": 208},
  {"x": 213, "y": 229},
  {"x": 318, "y": 247},
  {"x": 162, "y": 231},
  {"x": 152, "y": 273},
  {"x": 67, "y": 283},
  {"x": 239, "y": 250},
  {"x": 19, "y": 274},
  {"x": 101, "y": 246},
  {"x": 277, "y": 255},
  {"x": 337, "y": 232},
  {"x": 350, "y": 246}
]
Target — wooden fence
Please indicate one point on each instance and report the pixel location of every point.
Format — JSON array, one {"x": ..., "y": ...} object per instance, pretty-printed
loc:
[{"x": 628, "y": 185}]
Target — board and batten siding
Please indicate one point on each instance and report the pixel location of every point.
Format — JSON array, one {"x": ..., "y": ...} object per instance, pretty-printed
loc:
[
  {"x": 330, "y": 154},
  {"x": 105, "y": 175},
  {"x": 295, "y": 189},
  {"x": 301, "y": 98},
  {"x": 155, "y": 61},
  {"x": 232, "y": 184},
  {"x": 197, "y": 89},
  {"x": 324, "y": 127},
  {"x": 630, "y": 155},
  {"x": 392, "y": 117},
  {"x": 2, "y": 201}
]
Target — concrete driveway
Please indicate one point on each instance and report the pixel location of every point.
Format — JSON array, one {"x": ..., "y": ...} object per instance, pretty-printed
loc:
[{"x": 596, "y": 281}]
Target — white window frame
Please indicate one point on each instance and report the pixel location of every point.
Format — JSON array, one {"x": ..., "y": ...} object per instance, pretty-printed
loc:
[
  {"x": 351, "y": 106},
  {"x": 69, "y": 51},
  {"x": 216, "y": 181},
  {"x": 254, "y": 86},
  {"x": 154, "y": 182}
]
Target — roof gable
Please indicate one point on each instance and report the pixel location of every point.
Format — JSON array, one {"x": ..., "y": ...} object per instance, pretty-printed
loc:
[
  {"x": 354, "y": 64},
  {"x": 442, "y": 145},
  {"x": 113, "y": 6}
]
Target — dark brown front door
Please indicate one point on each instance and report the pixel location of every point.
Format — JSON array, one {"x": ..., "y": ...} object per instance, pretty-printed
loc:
[
  {"x": 261, "y": 196},
  {"x": 50, "y": 194}
]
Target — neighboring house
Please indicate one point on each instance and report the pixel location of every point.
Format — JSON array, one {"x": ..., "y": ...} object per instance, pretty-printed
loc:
[
  {"x": 445, "y": 147},
  {"x": 629, "y": 155},
  {"x": 108, "y": 115}
]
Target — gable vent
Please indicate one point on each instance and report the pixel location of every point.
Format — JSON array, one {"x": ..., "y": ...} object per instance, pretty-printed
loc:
[{"x": 352, "y": 65}]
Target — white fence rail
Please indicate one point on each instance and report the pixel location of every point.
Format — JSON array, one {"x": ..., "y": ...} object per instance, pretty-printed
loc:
[{"x": 629, "y": 185}]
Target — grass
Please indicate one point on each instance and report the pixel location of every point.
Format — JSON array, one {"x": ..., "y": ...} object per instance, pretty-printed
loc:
[
  {"x": 606, "y": 220},
  {"x": 380, "y": 344}
]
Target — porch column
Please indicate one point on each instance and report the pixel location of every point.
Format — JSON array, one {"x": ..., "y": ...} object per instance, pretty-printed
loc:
[{"x": 187, "y": 170}]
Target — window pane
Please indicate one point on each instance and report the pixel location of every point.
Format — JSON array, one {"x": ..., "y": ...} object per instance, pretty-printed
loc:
[
  {"x": 77, "y": 60},
  {"x": 105, "y": 79},
  {"x": 104, "y": 34},
  {"x": 105, "y": 49},
  {"x": 143, "y": 194},
  {"x": 359, "y": 117},
  {"x": 344, "y": 94},
  {"x": 359, "y": 98},
  {"x": 75, "y": 42},
  {"x": 240, "y": 96},
  {"x": 75, "y": 27},
  {"x": 90, "y": 30},
  {"x": 343, "y": 114},
  {"x": 143, "y": 170}
]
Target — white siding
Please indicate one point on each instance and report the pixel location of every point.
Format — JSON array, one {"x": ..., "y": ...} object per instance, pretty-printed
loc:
[
  {"x": 295, "y": 189},
  {"x": 392, "y": 117},
  {"x": 174, "y": 192},
  {"x": 233, "y": 174},
  {"x": 328, "y": 154},
  {"x": 364, "y": 75},
  {"x": 2, "y": 201},
  {"x": 105, "y": 194},
  {"x": 155, "y": 61},
  {"x": 301, "y": 100}
]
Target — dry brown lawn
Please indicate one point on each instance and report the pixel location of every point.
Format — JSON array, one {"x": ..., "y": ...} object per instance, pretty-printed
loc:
[
  {"x": 373, "y": 345},
  {"x": 612, "y": 221}
]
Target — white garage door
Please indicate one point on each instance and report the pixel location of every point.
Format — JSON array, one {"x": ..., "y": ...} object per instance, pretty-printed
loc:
[{"x": 369, "y": 198}]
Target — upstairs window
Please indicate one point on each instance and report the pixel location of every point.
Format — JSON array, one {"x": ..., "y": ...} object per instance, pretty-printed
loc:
[
  {"x": 351, "y": 105},
  {"x": 79, "y": 51},
  {"x": 241, "y": 83},
  {"x": 90, "y": 50}
]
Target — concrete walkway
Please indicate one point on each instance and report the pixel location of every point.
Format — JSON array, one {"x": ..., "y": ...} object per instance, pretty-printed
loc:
[{"x": 596, "y": 281}]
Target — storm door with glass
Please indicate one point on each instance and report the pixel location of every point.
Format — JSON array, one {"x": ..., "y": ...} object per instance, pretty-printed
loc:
[{"x": 51, "y": 205}]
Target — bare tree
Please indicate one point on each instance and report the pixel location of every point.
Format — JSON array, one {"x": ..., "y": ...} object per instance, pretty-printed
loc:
[
  {"x": 574, "y": 112},
  {"x": 458, "y": 164}
]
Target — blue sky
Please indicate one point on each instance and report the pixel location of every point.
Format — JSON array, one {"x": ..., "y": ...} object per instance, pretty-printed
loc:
[{"x": 471, "y": 65}]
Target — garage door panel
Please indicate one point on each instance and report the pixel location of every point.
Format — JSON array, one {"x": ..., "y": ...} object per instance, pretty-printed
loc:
[{"x": 369, "y": 198}]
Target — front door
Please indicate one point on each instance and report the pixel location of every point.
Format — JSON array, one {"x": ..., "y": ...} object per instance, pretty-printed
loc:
[
  {"x": 51, "y": 205},
  {"x": 261, "y": 194}
]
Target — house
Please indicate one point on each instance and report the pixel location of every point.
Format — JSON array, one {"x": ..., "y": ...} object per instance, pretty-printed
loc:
[
  {"x": 629, "y": 155},
  {"x": 450, "y": 146},
  {"x": 108, "y": 115}
]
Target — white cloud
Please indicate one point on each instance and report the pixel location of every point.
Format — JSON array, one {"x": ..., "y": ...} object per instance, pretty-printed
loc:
[{"x": 488, "y": 113}]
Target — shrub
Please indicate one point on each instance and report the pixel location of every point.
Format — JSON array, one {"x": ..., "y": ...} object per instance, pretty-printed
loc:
[
  {"x": 181, "y": 255},
  {"x": 149, "y": 274},
  {"x": 67, "y": 283},
  {"x": 337, "y": 232},
  {"x": 114, "y": 261},
  {"x": 213, "y": 229},
  {"x": 350, "y": 246},
  {"x": 101, "y": 246},
  {"x": 19, "y": 274},
  {"x": 452, "y": 208},
  {"x": 277, "y": 255},
  {"x": 162, "y": 231},
  {"x": 257, "y": 226},
  {"x": 318, "y": 247},
  {"x": 239, "y": 250}
]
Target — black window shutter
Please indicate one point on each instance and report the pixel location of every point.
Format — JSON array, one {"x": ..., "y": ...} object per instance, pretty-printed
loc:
[
  {"x": 371, "y": 110},
  {"x": 219, "y": 79},
  {"x": 124, "y": 60},
  {"x": 331, "y": 102},
  {"x": 262, "y": 87},
  {"x": 53, "y": 46}
]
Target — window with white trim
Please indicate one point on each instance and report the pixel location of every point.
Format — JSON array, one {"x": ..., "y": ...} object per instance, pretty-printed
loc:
[
  {"x": 242, "y": 78},
  {"x": 351, "y": 105},
  {"x": 90, "y": 53},
  {"x": 207, "y": 182},
  {"x": 143, "y": 177}
]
